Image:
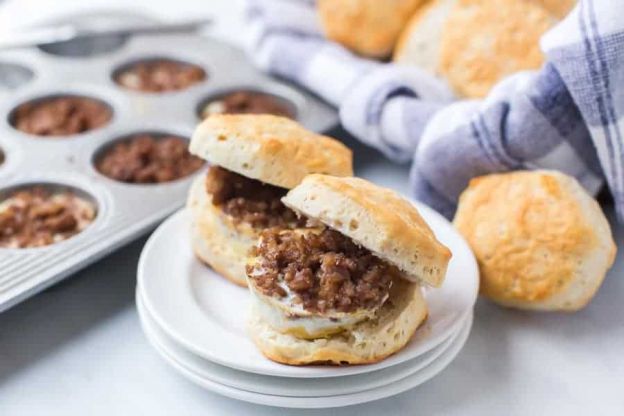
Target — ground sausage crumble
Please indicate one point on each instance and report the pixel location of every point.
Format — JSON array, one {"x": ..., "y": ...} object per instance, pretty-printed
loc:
[
  {"x": 325, "y": 271},
  {"x": 36, "y": 217},
  {"x": 61, "y": 116},
  {"x": 248, "y": 102},
  {"x": 249, "y": 200},
  {"x": 147, "y": 158},
  {"x": 160, "y": 75}
]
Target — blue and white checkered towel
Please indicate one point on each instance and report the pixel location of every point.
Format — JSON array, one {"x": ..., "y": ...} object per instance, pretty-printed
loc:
[{"x": 568, "y": 116}]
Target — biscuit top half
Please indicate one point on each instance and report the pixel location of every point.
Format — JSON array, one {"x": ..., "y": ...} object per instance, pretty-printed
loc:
[
  {"x": 271, "y": 149},
  {"x": 377, "y": 219}
]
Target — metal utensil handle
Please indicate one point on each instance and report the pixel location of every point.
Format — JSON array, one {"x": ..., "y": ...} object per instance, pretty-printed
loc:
[
  {"x": 147, "y": 28},
  {"x": 38, "y": 36},
  {"x": 47, "y": 35}
]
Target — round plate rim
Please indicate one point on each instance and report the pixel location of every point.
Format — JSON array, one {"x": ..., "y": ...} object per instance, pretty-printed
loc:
[
  {"x": 234, "y": 379},
  {"x": 365, "y": 396}
]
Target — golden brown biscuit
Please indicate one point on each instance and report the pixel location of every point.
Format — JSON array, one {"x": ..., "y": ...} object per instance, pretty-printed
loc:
[
  {"x": 367, "y": 27},
  {"x": 473, "y": 44},
  {"x": 376, "y": 218},
  {"x": 271, "y": 149},
  {"x": 370, "y": 341},
  {"x": 541, "y": 241}
]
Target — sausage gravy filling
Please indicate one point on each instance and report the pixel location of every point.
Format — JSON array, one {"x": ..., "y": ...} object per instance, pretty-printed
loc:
[{"x": 250, "y": 201}]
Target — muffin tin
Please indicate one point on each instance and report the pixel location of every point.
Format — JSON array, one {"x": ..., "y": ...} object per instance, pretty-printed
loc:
[{"x": 124, "y": 211}]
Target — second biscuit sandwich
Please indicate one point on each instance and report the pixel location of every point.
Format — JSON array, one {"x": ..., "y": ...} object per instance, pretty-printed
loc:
[
  {"x": 346, "y": 289},
  {"x": 255, "y": 160}
]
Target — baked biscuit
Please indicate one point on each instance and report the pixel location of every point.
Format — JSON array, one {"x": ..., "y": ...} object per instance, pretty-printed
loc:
[
  {"x": 347, "y": 289},
  {"x": 256, "y": 159},
  {"x": 367, "y": 27},
  {"x": 540, "y": 240},
  {"x": 473, "y": 44}
]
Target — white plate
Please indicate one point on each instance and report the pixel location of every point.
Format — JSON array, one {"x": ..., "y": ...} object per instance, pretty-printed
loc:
[
  {"x": 187, "y": 370},
  {"x": 206, "y": 314},
  {"x": 283, "y": 386}
]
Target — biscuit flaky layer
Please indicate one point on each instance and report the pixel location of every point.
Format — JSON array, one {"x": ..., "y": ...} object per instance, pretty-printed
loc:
[
  {"x": 368, "y": 342},
  {"x": 271, "y": 149},
  {"x": 215, "y": 239},
  {"x": 376, "y": 218},
  {"x": 540, "y": 240}
]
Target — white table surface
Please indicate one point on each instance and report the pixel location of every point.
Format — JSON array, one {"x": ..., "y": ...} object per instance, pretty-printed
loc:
[{"x": 77, "y": 349}]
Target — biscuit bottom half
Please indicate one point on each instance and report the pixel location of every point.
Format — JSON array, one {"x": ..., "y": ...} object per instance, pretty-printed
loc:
[
  {"x": 215, "y": 239},
  {"x": 367, "y": 342}
]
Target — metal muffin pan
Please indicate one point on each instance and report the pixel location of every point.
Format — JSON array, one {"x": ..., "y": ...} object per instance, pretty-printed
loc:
[{"x": 124, "y": 211}]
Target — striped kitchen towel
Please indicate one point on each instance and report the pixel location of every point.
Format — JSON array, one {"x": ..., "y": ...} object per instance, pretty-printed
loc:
[{"x": 569, "y": 115}]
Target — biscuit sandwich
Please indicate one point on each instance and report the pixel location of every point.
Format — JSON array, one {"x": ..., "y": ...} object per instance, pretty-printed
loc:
[
  {"x": 346, "y": 289},
  {"x": 255, "y": 160},
  {"x": 542, "y": 243}
]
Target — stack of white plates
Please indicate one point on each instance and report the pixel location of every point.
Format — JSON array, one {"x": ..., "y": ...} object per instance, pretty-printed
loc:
[{"x": 196, "y": 320}]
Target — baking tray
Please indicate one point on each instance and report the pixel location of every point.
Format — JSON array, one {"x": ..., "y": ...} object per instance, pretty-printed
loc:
[{"x": 125, "y": 211}]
